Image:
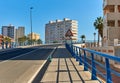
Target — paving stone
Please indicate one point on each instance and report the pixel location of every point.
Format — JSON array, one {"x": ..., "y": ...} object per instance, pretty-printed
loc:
[{"x": 65, "y": 70}]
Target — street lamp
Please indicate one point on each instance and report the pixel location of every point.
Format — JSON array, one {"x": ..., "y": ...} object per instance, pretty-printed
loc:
[
  {"x": 31, "y": 22},
  {"x": 94, "y": 39}
]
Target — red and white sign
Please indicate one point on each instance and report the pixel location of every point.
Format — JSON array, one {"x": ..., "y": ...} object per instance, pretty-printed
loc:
[{"x": 69, "y": 33}]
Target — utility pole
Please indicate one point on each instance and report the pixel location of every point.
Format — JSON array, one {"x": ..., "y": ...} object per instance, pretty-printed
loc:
[
  {"x": 31, "y": 22},
  {"x": 94, "y": 39}
]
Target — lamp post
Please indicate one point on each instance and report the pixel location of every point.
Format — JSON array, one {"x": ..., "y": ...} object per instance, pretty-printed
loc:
[
  {"x": 94, "y": 39},
  {"x": 31, "y": 22}
]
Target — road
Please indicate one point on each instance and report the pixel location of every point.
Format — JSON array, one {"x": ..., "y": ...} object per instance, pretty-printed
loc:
[
  {"x": 19, "y": 65},
  {"x": 13, "y": 53}
]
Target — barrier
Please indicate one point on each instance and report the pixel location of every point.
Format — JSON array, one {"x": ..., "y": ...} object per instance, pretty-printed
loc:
[{"x": 86, "y": 57}]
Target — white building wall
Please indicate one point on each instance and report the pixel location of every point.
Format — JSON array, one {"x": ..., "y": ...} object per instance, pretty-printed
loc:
[
  {"x": 55, "y": 30},
  {"x": 111, "y": 13}
]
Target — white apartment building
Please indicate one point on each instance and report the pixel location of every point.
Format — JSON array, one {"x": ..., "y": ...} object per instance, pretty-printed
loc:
[
  {"x": 55, "y": 30},
  {"x": 111, "y": 29}
]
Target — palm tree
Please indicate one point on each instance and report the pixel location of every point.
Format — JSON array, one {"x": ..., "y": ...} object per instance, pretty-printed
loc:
[
  {"x": 98, "y": 24},
  {"x": 7, "y": 41},
  {"x": 83, "y": 38},
  {"x": 22, "y": 40}
]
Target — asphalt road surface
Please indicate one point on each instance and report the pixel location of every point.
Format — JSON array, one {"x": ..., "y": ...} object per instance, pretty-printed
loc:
[
  {"x": 18, "y": 66},
  {"x": 14, "y": 52}
]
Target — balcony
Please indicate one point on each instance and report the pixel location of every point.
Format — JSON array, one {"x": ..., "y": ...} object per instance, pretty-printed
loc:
[
  {"x": 109, "y": 9},
  {"x": 74, "y": 29},
  {"x": 112, "y": 16},
  {"x": 110, "y": 2}
]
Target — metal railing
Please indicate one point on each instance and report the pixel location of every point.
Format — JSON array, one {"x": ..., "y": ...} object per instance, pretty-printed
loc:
[{"x": 86, "y": 57}]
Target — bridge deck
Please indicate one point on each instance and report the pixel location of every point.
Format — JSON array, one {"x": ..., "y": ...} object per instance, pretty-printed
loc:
[{"x": 64, "y": 68}]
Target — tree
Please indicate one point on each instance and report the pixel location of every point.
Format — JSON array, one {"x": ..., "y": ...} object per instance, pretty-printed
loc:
[
  {"x": 39, "y": 41},
  {"x": 83, "y": 38},
  {"x": 55, "y": 41},
  {"x": 7, "y": 41},
  {"x": 34, "y": 41},
  {"x": 98, "y": 24},
  {"x": 29, "y": 41},
  {"x": 21, "y": 40}
]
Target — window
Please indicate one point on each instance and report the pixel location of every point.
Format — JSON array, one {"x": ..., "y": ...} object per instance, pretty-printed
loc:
[
  {"x": 111, "y": 8},
  {"x": 118, "y": 23},
  {"x": 111, "y": 23},
  {"x": 118, "y": 8}
]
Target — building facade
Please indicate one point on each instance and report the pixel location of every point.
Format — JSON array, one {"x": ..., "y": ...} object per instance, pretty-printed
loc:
[
  {"x": 35, "y": 36},
  {"x": 8, "y": 31},
  {"x": 111, "y": 22},
  {"x": 20, "y": 32},
  {"x": 55, "y": 30}
]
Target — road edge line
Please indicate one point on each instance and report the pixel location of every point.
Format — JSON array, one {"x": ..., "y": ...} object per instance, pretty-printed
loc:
[{"x": 40, "y": 68}]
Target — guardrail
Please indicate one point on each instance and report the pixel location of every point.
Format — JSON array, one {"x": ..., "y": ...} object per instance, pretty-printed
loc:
[{"x": 86, "y": 58}]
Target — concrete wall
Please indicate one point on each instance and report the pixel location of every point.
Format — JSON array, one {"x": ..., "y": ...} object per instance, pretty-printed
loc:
[
  {"x": 111, "y": 50},
  {"x": 107, "y": 50}
]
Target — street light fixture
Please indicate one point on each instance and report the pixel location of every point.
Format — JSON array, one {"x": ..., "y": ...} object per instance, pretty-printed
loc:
[{"x": 31, "y": 22}]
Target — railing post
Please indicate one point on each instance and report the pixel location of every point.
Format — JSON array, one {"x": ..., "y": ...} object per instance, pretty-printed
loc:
[
  {"x": 74, "y": 51},
  {"x": 85, "y": 62},
  {"x": 108, "y": 79},
  {"x": 80, "y": 57},
  {"x": 93, "y": 68},
  {"x": 70, "y": 49},
  {"x": 77, "y": 59}
]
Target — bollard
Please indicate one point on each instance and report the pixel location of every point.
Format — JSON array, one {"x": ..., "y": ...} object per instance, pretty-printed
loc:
[{"x": 50, "y": 58}]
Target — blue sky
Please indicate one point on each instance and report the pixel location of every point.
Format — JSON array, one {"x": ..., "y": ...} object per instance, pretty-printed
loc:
[{"x": 17, "y": 13}]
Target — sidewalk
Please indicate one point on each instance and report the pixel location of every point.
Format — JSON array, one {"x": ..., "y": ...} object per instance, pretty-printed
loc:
[{"x": 64, "y": 69}]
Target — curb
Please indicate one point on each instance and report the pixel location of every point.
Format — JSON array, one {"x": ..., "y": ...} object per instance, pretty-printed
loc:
[{"x": 41, "y": 70}]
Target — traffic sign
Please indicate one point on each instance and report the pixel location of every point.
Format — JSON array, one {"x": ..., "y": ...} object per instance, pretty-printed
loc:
[{"x": 69, "y": 33}]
